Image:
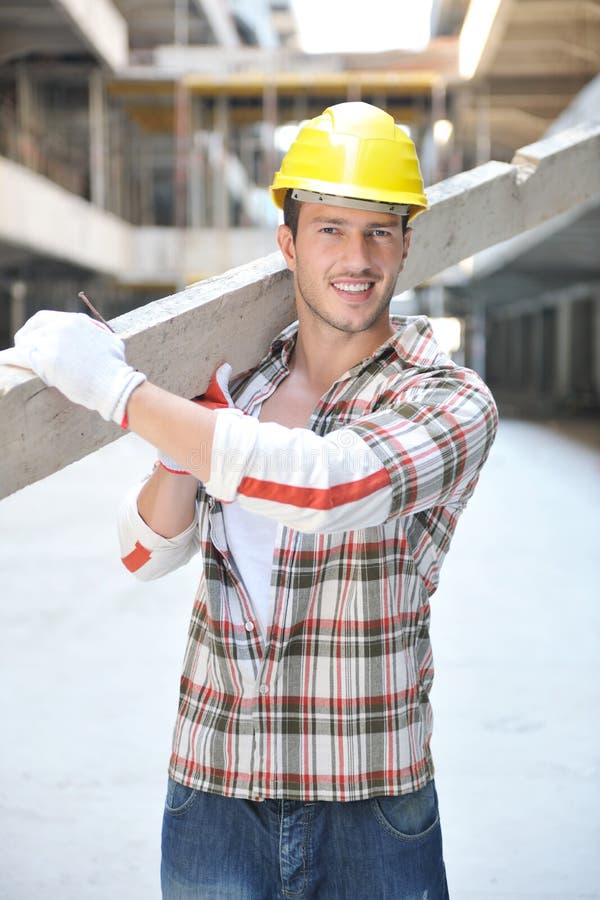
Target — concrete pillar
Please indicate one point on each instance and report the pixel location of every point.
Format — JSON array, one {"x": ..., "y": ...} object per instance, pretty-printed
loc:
[
  {"x": 381, "y": 101},
  {"x": 514, "y": 374},
  {"x": 353, "y": 91},
  {"x": 457, "y": 151},
  {"x": 221, "y": 193},
  {"x": 182, "y": 22},
  {"x": 477, "y": 326},
  {"x": 483, "y": 138},
  {"x": 118, "y": 160},
  {"x": 300, "y": 107},
  {"x": 182, "y": 152},
  {"x": 436, "y": 296},
  {"x": 248, "y": 152},
  {"x": 146, "y": 189},
  {"x": 198, "y": 171},
  {"x": 438, "y": 112},
  {"x": 537, "y": 352},
  {"x": 29, "y": 151},
  {"x": 528, "y": 373},
  {"x": 596, "y": 346},
  {"x": 269, "y": 124},
  {"x": 97, "y": 116},
  {"x": 549, "y": 350},
  {"x": 18, "y": 306},
  {"x": 563, "y": 350}
]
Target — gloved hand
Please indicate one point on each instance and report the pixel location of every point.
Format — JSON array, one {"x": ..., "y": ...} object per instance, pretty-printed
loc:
[
  {"x": 216, "y": 397},
  {"x": 81, "y": 358}
]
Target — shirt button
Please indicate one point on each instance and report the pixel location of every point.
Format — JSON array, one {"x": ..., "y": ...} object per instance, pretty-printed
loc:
[
  {"x": 249, "y": 626},
  {"x": 264, "y": 689}
]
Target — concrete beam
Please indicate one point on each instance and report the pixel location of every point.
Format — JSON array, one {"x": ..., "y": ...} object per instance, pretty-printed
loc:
[
  {"x": 498, "y": 201},
  {"x": 18, "y": 44},
  {"x": 584, "y": 111},
  {"x": 164, "y": 255},
  {"x": 89, "y": 237},
  {"x": 220, "y": 21},
  {"x": 98, "y": 240},
  {"x": 101, "y": 27},
  {"x": 482, "y": 34},
  {"x": 232, "y": 317}
]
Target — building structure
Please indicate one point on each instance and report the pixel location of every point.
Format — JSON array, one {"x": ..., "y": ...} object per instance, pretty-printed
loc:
[
  {"x": 136, "y": 147},
  {"x": 534, "y": 301}
]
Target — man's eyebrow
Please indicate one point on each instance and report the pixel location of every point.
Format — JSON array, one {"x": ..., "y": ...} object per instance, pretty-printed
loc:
[
  {"x": 331, "y": 220},
  {"x": 395, "y": 224}
]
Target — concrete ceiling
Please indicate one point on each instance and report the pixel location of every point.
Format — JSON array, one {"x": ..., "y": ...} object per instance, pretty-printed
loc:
[
  {"x": 35, "y": 28},
  {"x": 38, "y": 29},
  {"x": 447, "y": 16},
  {"x": 537, "y": 57},
  {"x": 572, "y": 252},
  {"x": 154, "y": 22}
]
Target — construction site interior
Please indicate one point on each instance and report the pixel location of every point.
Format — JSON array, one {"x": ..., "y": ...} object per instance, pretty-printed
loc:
[{"x": 137, "y": 146}]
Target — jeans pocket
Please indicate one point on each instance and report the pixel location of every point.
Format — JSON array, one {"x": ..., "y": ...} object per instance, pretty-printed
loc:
[
  {"x": 179, "y": 798},
  {"x": 408, "y": 817}
]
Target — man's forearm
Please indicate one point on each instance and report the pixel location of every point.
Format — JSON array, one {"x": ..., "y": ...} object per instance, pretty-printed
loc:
[
  {"x": 167, "y": 502},
  {"x": 183, "y": 430}
]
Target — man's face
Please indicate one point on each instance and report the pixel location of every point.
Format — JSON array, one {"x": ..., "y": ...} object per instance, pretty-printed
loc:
[{"x": 345, "y": 264}]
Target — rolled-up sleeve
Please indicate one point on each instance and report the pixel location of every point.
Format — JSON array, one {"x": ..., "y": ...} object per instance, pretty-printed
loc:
[
  {"x": 309, "y": 482},
  {"x": 423, "y": 447},
  {"x": 146, "y": 554}
]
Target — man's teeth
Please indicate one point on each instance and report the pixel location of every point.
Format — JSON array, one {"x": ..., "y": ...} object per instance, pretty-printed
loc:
[{"x": 353, "y": 288}]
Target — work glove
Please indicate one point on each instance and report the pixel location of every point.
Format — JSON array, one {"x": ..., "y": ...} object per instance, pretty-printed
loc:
[
  {"x": 83, "y": 359},
  {"x": 216, "y": 396}
]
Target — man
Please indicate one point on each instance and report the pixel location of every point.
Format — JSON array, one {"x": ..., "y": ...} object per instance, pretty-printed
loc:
[{"x": 322, "y": 489}]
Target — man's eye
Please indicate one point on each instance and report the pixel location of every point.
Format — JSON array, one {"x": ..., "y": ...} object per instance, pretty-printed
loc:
[
  {"x": 328, "y": 229},
  {"x": 380, "y": 232}
]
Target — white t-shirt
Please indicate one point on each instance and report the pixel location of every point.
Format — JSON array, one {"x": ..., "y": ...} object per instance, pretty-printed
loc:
[{"x": 251, "y": 540}]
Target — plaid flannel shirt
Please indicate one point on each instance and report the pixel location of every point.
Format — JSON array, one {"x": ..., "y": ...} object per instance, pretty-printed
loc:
[{"x": 332, "y": 703}]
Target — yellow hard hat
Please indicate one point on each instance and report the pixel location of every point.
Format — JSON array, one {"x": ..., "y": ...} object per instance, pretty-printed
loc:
[{"x": 353, "y": 151}]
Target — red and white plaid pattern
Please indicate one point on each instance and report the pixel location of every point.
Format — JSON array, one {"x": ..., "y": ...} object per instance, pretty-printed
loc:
[{"x": 332, "y": 703}]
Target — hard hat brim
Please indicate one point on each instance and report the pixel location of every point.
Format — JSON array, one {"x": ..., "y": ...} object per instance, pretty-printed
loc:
[{"x": 417, "y": 203}]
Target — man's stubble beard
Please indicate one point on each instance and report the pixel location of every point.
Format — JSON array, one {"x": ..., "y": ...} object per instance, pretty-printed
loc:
[{"x": 309, "y": 297}]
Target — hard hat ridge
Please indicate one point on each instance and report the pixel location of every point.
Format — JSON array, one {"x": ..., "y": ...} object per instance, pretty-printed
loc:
[{"x": 353, "y": 150}]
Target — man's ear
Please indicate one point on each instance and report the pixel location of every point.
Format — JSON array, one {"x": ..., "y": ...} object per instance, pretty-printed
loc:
[
  {"x": 406, "y": 241},
  {"x": 285, "y": 241}
]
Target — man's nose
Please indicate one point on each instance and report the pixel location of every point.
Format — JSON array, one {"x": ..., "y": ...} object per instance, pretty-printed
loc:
[{"x": 357, "y": 254}]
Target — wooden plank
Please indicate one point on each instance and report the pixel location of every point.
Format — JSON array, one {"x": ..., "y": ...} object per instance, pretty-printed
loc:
[{"x": 179, "y": 340}]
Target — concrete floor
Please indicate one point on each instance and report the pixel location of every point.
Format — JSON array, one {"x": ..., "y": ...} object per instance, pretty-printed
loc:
[{"x": 89, "y": 667}]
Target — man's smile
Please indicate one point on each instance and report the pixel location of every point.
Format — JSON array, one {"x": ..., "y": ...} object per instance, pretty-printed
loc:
[{"x": 353, "y": 290}]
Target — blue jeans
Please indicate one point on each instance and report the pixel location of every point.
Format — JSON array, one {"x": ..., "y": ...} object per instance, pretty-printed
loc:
[{"x": 229, "y": 849}]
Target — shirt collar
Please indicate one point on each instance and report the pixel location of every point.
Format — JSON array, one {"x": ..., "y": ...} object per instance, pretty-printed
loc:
[{"x": 413, "y": 343}]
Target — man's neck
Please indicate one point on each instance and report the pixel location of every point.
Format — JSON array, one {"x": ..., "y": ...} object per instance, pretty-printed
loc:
[{"x": 322, "y": 355}]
